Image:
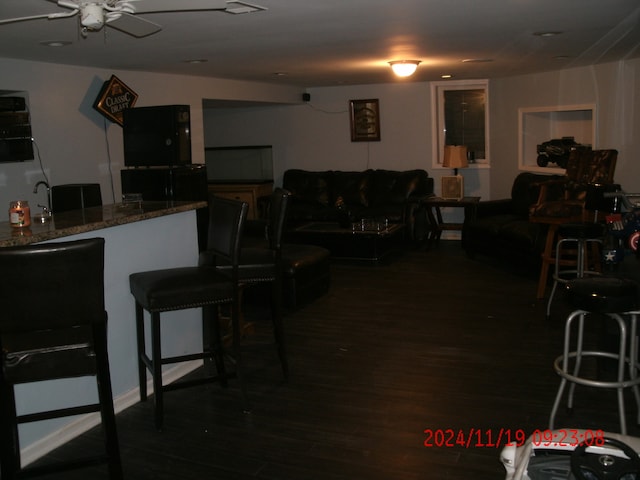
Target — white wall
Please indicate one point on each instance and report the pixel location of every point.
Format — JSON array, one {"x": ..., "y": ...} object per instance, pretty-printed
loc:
[
  {"x": 315, "y": 136},
  {"x": 76, "y": 144},
  {"x": 611, "y": 87}
]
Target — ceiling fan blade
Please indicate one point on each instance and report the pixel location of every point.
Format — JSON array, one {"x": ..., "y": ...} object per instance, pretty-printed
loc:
[
  {"x": 133, "y": 25},
  {"x": 50, "y": 16},
  {"x": 153, "y": 6}
]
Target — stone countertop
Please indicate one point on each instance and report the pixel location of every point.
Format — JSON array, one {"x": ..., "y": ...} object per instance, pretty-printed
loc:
[{"x": 89, "y": 219}]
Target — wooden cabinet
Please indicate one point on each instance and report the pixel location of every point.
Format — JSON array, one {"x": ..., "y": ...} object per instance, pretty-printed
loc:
[{"x": 245, "y": 192}]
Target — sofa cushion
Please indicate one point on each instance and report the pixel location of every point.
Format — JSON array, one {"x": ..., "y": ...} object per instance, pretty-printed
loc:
[
  {"x": 394, "y": 187},
  {"x": 300, "y": 212},
  {"x": 308, "y": 187},
  {"x": 352, "y": 188}
]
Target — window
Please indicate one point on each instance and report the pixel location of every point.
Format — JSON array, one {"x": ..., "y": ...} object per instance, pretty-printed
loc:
[{"x": 461, "y": 117}]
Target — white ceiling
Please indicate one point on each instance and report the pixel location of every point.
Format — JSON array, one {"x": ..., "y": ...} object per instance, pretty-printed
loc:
[{"x": 313, "y": 43}]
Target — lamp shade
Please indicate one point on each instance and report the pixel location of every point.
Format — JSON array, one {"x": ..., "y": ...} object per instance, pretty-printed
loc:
[{"x": 455, "y": 156}]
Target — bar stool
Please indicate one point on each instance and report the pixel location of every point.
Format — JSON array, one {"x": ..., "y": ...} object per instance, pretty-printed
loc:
[
  {"x": 262, "y": 263},
  {"x": 54, "y": 326},
  {"x": 616, "y": 299},
  {"x": 183, "y": 288},
  {"x": 575, "y": 239}
]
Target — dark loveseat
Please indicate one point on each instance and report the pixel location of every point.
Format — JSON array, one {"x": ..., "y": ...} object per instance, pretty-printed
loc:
[
  {"x": 502, "y": 229},
  {"x": 341, "y": 196}
]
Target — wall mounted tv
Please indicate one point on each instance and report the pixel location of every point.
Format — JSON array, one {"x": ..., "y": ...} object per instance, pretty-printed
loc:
[{"x": 241, "y": 164}]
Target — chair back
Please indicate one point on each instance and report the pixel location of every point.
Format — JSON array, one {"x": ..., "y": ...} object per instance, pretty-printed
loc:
[
  {"x": 53, "y": 319},
  {"x": 226, "y": 223},
  {"x": 565, "y": 199},
  {"x": 586, "y": 166},
  {"x": 52, "y": 286},
  {"x": 280, "y": 199}
]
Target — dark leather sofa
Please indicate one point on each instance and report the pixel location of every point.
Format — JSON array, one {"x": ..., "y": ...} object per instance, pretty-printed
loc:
[
  {"x": 502, "y": 229},
  {"x": 345, "y": 196}
]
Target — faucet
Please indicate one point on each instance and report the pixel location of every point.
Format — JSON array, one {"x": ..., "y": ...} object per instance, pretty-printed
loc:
[{"x": 46, "y": 209}]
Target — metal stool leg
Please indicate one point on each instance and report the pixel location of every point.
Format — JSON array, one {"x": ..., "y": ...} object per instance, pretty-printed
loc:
[
  {"x": 556, "y": 277},
  {"x": 565, "y": 362},
  {"x": 576, "y": 368},
  {"x": 622, "y": 360},
  {"x": 633, "y": 360},
  {"x": 579, "y": 272}
]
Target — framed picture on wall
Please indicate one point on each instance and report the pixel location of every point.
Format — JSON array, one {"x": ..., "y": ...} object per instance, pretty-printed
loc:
[{"x": 365, "y": 120}]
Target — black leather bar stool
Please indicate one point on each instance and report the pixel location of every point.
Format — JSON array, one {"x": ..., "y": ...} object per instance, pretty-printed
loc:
[
  {"x": 615, "y": 299},
  {"x": 193, "y": 287},
  {"x": 54, "y": 326},
  {"x": 260, "y": 264},
  {"x": 582, "y": 243}
]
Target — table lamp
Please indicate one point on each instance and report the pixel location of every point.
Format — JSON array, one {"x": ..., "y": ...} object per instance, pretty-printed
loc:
[{"x": 455, "y": 156}]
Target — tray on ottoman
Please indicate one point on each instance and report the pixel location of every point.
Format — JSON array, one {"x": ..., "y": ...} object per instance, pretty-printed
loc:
[{"x": 366, "y": 240}]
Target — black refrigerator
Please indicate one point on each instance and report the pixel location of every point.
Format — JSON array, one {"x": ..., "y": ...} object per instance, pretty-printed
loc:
[{"x": 182, "y": 183}]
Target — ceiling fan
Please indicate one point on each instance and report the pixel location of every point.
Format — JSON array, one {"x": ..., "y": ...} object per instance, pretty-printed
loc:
[{"x": 122, "y": 14}]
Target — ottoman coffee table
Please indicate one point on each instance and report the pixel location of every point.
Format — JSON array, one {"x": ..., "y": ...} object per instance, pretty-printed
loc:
[{"x": 365, "y": 240}]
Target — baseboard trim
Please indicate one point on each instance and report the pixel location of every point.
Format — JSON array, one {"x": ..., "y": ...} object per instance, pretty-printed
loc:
[{"x": 82, "y": 424}]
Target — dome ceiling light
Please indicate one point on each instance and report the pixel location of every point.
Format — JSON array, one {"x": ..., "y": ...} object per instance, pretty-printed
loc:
[{"x": 404, "y": 68}]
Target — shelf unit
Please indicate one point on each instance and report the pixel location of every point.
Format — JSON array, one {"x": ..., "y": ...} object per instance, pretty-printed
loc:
[{"x": 541, "y": 124}]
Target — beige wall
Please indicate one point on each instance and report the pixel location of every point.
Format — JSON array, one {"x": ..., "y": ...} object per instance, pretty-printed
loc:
[
  {"x": 77, "y": 145},
  {"x": 74, "y": 141},
  {"x": 315, "y": 136},
  {"x": 611, "y": 87}
]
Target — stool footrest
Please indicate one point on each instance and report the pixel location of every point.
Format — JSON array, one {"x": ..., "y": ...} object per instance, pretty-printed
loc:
[
  {"x": 557, "y": 365},
  {"x": 63, "y": 412}
]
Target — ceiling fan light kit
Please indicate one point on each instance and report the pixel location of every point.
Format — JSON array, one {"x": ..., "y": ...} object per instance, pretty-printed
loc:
[{"x": 92, "y": 16}]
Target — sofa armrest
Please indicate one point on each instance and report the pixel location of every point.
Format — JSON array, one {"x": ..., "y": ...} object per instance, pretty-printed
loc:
[{"x": 418, "y": 198}]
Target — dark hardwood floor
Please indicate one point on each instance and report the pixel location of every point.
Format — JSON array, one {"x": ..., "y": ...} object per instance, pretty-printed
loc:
[{"x": 432, "y": 340}]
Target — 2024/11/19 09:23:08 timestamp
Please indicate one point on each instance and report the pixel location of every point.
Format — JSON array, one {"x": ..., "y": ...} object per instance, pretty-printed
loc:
[{"x": 496, "y": 438}]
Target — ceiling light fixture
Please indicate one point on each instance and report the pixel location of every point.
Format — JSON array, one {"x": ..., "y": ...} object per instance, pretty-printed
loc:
[
  {"x": 55, "y": 43},
  {"x": 547, "y": 34},
  {"x": 404, "y": 68}
]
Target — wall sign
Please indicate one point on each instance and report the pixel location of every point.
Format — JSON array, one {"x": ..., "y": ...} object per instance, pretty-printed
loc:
[
  {"x": 365, "y": 120},
  {"x": 114, "y": 97}
]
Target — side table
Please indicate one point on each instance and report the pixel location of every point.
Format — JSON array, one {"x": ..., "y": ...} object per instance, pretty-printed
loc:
[{"x": 437, "y": 225}]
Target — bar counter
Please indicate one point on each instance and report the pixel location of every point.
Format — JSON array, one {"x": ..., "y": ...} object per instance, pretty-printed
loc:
[
  {"x": 90, "y": 219},
  {"x": 138, "y": 237}
]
